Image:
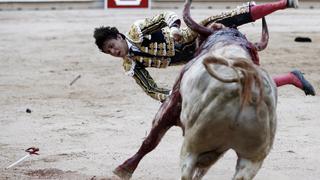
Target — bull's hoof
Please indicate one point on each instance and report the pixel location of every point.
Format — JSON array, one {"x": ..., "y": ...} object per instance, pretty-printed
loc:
[{"x": 122, "y": 173}]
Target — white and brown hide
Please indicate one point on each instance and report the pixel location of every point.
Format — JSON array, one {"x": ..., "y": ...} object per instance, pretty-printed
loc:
[{"x": 237, "y": 112}]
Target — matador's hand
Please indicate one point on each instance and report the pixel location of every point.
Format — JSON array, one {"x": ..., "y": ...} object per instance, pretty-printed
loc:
[
  {"x": 216, "y": 26},
  {"x": 176, "y": 34}
]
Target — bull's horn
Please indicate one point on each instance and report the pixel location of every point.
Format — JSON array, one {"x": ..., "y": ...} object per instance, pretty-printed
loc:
[
  {"x": 192, "y": 24},
  {"x": 264, "y": 37}
]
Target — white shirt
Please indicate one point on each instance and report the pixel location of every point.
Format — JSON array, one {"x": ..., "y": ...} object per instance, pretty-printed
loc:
[{"x": 132, "y": 47}]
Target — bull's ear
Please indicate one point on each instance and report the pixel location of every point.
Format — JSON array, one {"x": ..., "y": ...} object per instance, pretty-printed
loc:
[{"x": 264, "y": 36}]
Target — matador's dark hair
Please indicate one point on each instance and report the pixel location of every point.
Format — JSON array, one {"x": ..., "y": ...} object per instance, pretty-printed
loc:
[{"x": 103, "y": 34}]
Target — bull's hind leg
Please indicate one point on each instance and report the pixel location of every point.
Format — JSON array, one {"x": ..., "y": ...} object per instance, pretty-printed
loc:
[
  {"x": 204, "y": 162},
  {"x": 199, "y": 173},
  {"x": 195, "y": 166},
  {"x": 188, "y": 167},
  {"x": 188, "y": 161},
  {"x": 246, "y": 169}
]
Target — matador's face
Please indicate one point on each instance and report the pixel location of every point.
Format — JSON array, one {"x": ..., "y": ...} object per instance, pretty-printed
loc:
[{"x": 116, "y": 47}]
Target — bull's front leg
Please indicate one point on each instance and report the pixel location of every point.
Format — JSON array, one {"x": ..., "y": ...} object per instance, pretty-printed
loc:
[{"x": 167, "y": 116}]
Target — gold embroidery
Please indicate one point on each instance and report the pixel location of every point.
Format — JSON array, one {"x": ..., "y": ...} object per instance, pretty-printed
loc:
[
  {"x": 169, "y": 43},
  {"x": 164, "y": 49},
  {"x": 151, "y": 48},
  {"x": 160, "y": 49},
  {"x": 157, "y": 63},
  {"x": 155, "y": 48},
  {"x": 141, "y": 59},
  {"x": 126, "y": 64},
  {"x": 239, "y": 10}
]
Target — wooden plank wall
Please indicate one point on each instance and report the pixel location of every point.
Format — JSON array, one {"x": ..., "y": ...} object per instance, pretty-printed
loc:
[
  {"x": 50, "y": 4},
  {"x": 223, "y": 4},
  {"x": 155, "y": 4}
]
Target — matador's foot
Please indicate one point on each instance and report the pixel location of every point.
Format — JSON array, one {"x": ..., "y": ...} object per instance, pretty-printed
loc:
[
  {"x": 292, "y": 3},
  {"x": 122, "y": 173},
  {"x": 306, "y": 85}
]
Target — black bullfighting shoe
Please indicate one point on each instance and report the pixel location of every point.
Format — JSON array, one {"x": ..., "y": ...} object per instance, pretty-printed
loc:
[{"x": 306, "y": 85}]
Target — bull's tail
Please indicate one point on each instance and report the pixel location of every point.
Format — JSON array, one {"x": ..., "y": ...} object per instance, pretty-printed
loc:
[{"x": 249, "y": 76}]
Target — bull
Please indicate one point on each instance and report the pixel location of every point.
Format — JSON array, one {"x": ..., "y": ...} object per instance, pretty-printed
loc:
[{"x": 222, "y": 100}]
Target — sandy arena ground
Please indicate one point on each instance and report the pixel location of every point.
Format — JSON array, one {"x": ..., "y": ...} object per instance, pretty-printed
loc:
[{"x": 89, "y": 128}]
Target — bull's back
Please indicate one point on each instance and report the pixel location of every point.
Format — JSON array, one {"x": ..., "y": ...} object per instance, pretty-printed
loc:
[{"x": 210, "y": 109}]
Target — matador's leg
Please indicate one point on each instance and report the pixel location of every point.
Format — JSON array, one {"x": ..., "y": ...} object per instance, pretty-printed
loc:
[
  {"x": 297, "y": 79},
  {"x": 249, "y": 12}
]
